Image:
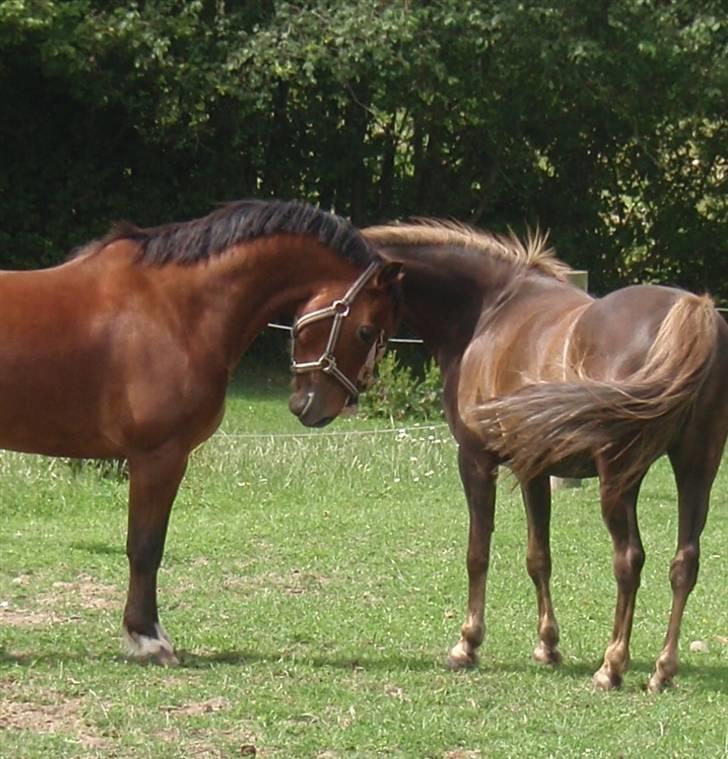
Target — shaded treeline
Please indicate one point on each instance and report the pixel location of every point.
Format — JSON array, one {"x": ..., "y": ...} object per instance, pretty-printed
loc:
[{"x": 603, "y": 121}]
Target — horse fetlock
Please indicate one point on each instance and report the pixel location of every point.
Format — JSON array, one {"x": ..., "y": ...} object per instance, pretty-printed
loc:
[
  {"x": 473, "y": 633},
  {"x": 546, "y": 654},
  {"x": 549, "y": 632},
  {"x": 665, "y": 669}
]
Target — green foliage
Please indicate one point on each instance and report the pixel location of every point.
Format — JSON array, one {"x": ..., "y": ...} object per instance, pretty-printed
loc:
[
  {"x": 398, "y": 393},
  {"x": 602, "y": 121}
]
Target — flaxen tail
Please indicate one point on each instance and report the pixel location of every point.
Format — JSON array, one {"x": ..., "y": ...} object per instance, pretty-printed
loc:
[{"x": 633, "y": 420}]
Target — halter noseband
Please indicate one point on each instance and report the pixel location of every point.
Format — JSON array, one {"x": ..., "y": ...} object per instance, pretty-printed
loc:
[{"x": 338, "y": 310}]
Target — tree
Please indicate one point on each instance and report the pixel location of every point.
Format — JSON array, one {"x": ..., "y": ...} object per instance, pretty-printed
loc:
[{"x": 604, "y": 121}]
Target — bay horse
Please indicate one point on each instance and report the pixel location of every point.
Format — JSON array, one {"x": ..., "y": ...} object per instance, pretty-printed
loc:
[
  {"x": 125, "y": 351},
  {"x": 542, "y": 377}
]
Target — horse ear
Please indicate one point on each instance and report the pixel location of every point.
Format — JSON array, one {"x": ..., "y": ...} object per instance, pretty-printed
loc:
[{"x": 390, "y": 274}]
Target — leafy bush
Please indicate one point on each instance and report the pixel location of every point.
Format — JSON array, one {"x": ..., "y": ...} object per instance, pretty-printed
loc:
[{"x": 399, "y": 393}]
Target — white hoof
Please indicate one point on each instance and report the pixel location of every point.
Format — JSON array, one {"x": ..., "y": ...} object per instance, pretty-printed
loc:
[
  {"x": 158, "y": 650},
  {"x": 657, "y": 684},
  {"x": 605, "y": 680},
  {"x": 461, "y": 656}
]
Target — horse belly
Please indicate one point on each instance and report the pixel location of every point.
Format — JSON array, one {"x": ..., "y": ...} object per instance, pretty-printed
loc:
[
  {"x": 31, "y": 425},
  {"x": 574, "y": 467},
  {"x": 49, "y": 402}
]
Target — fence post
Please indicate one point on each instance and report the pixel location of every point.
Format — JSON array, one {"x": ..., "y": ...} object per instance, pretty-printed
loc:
[{"x": 579, "y": 278}]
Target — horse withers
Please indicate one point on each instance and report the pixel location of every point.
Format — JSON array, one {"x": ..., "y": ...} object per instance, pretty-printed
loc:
[
  {"x": 541, "y": 376},
  {"x": 125, "y": 351}
]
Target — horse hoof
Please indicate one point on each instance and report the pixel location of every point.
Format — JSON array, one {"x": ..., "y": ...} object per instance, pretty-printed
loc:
[
  {"x": 459, "y": 658},
  {"x": 165, "y": 658},
  {"x": 657, "y": 684},
  {"x": 603, "y": 680},
  {"x": 544, "y": 655},
  {"x": 455, "y": 664},
  {"x": 157, "y": 650}
]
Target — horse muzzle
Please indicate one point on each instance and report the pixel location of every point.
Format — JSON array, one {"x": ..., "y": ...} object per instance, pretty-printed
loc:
[{"x": 304, "y": 405}]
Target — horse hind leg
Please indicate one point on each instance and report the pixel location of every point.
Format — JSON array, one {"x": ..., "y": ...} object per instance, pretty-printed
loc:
[
  {"x": 695, "y": 467},
  {"x": 478, "y": 478},
  {"x": 537, "y": 501},
  {"x": 620, "y": 515},
  {"x": 154, "y": 480}
]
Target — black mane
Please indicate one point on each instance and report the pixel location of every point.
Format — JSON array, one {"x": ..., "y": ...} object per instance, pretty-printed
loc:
[{"x": 199, "y": 239}]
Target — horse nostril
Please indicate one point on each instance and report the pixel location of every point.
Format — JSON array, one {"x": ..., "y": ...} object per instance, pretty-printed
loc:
[
  {"x": 296, "y": 403},
  {"x": 299, "y": 403}
]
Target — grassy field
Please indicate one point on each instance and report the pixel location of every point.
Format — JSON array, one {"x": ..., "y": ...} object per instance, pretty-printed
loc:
[{"x": 313, "y": 585}]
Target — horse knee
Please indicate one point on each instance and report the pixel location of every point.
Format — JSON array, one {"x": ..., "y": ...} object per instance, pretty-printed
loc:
[
  {"x": 684, "y": 567},
  {"x": 628, "y": 566},
  {"x": 538, "y": 565},
  {"x": 477, "y": 563}
]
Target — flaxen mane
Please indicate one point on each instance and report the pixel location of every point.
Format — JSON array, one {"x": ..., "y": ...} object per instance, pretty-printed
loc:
[
  {"x": 197, "y": 240},
  {"x": 532, "y": 253}
]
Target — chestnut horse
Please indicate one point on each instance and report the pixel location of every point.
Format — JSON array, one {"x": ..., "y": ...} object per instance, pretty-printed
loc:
[
  {"x": 125, "y": 351},
  {"x": 542, "y": 377}
]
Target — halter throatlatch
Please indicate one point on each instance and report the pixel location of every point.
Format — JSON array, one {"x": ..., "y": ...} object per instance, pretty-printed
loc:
[{"x": 338, "y": 311}]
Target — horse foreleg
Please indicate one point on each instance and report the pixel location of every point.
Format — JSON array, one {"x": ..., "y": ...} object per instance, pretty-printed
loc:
[
  {"x": 537, "y": 500},
  {"x": 620, "y": 515},
  {"x": 694, "y": 477},
  {"x": 478, "y": 478},
  {"x": 154, "y": 479}
]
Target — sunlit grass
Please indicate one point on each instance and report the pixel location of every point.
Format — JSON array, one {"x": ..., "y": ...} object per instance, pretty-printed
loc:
[{"x": 313, "y": 585}]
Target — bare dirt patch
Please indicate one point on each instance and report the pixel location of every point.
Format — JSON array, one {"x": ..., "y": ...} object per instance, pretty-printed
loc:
[
  {"x": 204, "y": 744},
  {"x": 18, "y": 617},
  {"x": 84, "y": 593},
  {"x": 196, "y": 708},
  {"x": 294, "y": 583},
  {"x": 51, "y": 712},
  {"x": 61, "y": 604}
]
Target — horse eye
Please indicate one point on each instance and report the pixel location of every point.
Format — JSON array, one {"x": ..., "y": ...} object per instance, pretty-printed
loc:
[{"x": 366, "y": 333}]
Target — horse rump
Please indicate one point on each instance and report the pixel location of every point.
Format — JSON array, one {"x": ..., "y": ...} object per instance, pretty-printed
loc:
[{"x": 631, "y": 421}]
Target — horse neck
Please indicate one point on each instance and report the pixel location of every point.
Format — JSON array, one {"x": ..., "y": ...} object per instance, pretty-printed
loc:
[
  {"x": 240, "y": 291},
  {"x": 445, "y": 292}
]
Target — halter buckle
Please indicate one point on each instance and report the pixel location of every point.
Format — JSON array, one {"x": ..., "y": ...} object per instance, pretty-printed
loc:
[
  {"x": 327, "y": 363},
  {"x": 341, "y": 308}
]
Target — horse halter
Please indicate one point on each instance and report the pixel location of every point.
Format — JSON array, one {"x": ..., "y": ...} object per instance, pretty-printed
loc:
[{"x": 338, "y": 311}]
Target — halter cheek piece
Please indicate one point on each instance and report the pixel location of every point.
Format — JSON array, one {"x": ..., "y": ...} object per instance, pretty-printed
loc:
[{"x": 338, "y": 311}]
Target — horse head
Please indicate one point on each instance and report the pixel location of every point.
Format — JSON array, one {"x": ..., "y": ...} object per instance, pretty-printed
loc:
[{"x": 338, "y": 336}]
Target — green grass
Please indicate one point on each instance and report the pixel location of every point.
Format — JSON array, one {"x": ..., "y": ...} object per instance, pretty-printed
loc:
[{"x": 313, "y": 585}]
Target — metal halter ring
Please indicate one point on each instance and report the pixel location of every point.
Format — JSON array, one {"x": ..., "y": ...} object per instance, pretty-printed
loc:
[
  {"x": 337, "y": 311},
  {"x": 340, "y": 307}
]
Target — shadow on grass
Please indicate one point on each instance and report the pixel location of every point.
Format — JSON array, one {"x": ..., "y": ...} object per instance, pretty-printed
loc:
[
  {"x": 102, "y": 549},
  {"x": 189, "y": 660},
  {"x": 242, "y": 658},
  {"x": 709, "y": 677},
  {"x": 713, "y": 677}
]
